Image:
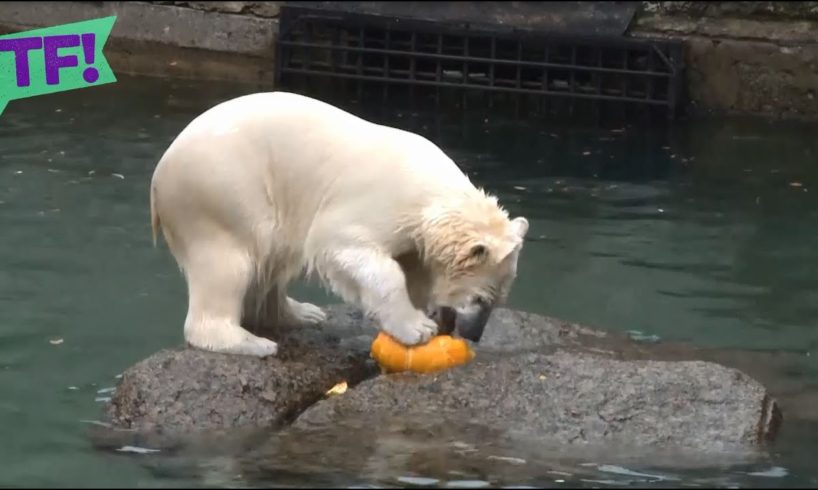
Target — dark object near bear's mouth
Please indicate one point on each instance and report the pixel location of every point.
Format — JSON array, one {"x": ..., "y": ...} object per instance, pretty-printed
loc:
[
  {"x": 446, "y": 319},
  {"x": 469, "y": 322}
]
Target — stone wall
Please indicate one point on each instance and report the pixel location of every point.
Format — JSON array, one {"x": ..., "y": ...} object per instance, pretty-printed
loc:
[
  {"x": 198, "y": 40},
  {"x": 746, "y": 10},
  {"x": 742, "y": 57},
  {"x": 257, "y": 9}
]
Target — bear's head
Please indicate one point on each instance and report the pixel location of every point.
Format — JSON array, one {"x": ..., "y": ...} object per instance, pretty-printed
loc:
[{"x": 472, "y": 249}]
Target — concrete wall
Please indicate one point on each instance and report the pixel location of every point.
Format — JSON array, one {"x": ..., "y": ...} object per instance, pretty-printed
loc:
[
  {"x": 743, "y": 57},
  {"x": 201, "y": 40}
]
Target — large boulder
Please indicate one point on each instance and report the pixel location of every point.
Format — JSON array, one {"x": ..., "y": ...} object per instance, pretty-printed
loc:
[
  {"x": 572, "y": 398},
  {"x": 180, "y": 390},
  {"x": 535, "y": 380}
]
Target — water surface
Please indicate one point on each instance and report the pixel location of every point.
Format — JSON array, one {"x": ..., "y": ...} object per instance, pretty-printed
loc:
[{"x": 702, "y": 232}]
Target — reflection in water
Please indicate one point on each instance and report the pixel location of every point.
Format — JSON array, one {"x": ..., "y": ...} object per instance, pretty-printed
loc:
[
  {"x": 703, "y": 232},
  {"x": 352, "y": 452}
]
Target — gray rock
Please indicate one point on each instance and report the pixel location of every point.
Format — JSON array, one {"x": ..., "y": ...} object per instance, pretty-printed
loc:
[
  {"x": 517, "y": 331},
  {"x": 184, "y": 389},
  {"x": 570, "y": 398},
  {"x": 535, "y": 381},
  {"x": 392, "y": 450}
]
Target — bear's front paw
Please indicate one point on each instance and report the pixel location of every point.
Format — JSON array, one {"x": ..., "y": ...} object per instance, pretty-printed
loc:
[{"x": 417, "y": 330}]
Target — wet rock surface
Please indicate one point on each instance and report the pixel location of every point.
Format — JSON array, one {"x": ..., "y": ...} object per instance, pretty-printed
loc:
[
  {"x": 407, "y": 449},
  {"x": 573, "y": 398},
  {"x": 184, "y": 389},
  {"x": 561, "y": 384}
]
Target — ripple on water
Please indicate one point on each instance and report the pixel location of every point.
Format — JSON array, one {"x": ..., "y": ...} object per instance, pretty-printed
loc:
[
  {"x": 418, "y": 481},
  {"x": 774, "y": 472},
  {"x": 467, "y": 484},
  {"x": 618, "y": 470}
]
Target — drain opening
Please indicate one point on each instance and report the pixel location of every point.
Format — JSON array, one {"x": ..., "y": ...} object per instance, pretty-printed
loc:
[{"x": 549, "y": 74}]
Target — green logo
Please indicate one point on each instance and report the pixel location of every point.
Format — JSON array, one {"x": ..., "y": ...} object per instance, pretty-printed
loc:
[{"x": 54, "y": 59}]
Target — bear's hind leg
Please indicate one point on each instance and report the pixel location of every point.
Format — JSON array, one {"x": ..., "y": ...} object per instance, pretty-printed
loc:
[
  {"x": 218, "y": 277},
  {"x": 276, "y": 308},
  {"x": 300, "y": 313},
  {"x": 283, "y": 310}
]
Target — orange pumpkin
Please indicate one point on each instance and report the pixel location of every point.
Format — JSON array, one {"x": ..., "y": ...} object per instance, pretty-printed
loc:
[{"x": 441, "y": 352}]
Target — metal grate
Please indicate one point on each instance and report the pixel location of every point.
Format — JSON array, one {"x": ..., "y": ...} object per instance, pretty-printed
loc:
[{"x": 399, "y": 51}]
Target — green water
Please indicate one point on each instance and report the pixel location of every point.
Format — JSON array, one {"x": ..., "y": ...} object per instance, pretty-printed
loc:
[{"x": 704, "y": 232}]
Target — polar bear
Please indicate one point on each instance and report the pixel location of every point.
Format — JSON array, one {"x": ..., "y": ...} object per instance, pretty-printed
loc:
[{"x": 268, "y": 187}]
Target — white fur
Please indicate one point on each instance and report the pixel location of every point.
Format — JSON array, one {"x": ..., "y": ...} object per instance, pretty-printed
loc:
[{"x": 262, "y": 188}]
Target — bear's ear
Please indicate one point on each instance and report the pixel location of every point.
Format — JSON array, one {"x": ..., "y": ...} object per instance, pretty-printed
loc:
[
  {"x": 476, "y": 253},
  {"x": 505, "y": 247},
  {"x": 520, "y": 226}
]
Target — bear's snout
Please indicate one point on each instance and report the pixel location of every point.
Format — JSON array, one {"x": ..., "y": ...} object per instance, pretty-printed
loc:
[{"x": 471, "y": 320}]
